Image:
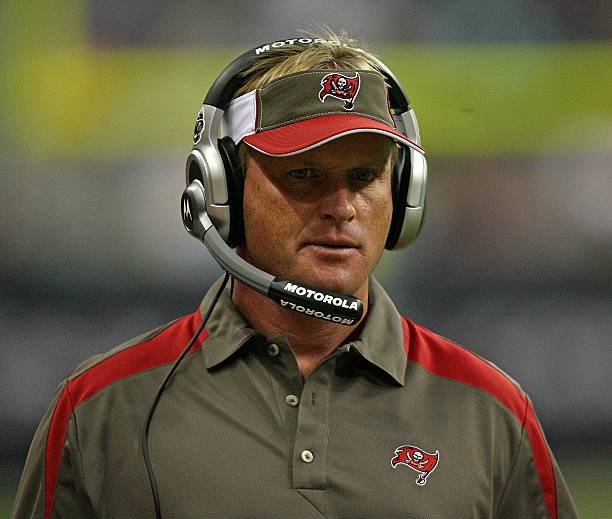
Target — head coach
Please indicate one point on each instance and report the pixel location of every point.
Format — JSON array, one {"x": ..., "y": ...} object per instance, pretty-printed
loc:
[{"x": 296, "y": 389}]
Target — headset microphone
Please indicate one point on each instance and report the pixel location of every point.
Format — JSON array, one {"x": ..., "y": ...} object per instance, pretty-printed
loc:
[{"x": 293, "y": 295}]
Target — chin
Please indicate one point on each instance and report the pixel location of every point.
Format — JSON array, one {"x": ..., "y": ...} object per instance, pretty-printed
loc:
[
  {"x": 333, "y": 278},
  {"x": 345, "y": 274},
  {"x": 332, "y": 281}
]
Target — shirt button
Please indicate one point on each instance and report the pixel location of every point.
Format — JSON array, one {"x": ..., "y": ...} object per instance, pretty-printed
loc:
[
  {"x": 307, "y": 456},
  {"x": 292, "y": 400},
  {"x": 273, "y": 350}
]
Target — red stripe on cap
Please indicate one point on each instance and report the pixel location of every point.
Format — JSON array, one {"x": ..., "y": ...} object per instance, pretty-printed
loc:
[
  {"x": 302, "y": 135},
  {"x": 162, "y": 349},
  {"x": 446, "y": 359}
]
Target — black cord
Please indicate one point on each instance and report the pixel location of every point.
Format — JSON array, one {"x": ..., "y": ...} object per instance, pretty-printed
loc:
[{"x": 162, "y": 387}]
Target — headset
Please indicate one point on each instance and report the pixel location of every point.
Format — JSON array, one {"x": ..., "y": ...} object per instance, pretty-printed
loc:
[{"x": 211, "y": 205}]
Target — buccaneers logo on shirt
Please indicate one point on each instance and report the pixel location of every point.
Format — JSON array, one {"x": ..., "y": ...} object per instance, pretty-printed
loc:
[
  {"x": 418, "y": 460},
  {"x": 341, "y": 87}
]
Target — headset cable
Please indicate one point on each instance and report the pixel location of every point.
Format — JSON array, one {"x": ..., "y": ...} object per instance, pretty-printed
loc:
[{"x": 162, "y": 387}]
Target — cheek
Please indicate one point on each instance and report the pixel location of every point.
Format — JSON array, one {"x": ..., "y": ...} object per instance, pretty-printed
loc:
[
  {"x": 254, "y": 213},
  {"x": 249, "y": 210},
  {"x": 379, "y": 212},
  {"x": 383, "y": 225},
  {"x": 266, "y": 215},
  {"x": 265, "y": 200}
]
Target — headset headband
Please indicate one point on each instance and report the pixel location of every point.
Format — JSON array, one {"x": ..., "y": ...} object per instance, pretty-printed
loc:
[{"x": 231, "y": 79}]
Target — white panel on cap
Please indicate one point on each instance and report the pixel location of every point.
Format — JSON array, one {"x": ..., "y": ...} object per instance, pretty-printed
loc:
[{"x": 239, "y": 117}]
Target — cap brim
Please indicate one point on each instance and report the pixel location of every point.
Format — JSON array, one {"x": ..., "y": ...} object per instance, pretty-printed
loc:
[{"x": 305, "y": 135}]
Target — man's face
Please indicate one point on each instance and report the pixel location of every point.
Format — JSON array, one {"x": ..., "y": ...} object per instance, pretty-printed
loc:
[{"x": 320, "y": 217}]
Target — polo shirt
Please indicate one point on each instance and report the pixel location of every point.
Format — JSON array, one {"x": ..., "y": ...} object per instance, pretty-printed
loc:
[{"x": 398, "y": 422}]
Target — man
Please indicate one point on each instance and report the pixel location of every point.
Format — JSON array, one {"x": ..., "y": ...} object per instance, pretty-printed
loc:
[{"x": 274, "y": 413}]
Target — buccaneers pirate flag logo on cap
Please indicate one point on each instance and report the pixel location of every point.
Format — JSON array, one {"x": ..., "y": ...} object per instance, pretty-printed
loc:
[
  {"x": 341, "y": 87},
  {"x": 418, "y": 460}
]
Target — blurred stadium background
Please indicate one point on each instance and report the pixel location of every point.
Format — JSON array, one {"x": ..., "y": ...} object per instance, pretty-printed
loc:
[{"x": 514, "y": 98}]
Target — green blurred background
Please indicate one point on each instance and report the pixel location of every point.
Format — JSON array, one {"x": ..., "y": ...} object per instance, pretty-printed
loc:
[{"x": 515, "y": 106}]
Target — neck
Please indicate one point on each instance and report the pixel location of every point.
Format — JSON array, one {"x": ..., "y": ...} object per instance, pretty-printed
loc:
[{"x": 312, "y": 340}]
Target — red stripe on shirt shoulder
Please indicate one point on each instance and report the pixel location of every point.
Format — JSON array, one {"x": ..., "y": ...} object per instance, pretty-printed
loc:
[
  {"x": 543, "y": 460},
  {"x": 446, "y": 359},
  {"x": 161, "y": 349},
  {"x": 449, "y": 360}
]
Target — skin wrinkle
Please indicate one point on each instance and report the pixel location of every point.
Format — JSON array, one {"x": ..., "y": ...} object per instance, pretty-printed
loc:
[{"x": 339, "y": 192}]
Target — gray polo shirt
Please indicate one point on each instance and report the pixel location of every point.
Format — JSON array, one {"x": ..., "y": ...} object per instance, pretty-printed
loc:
[{"x": 397, "y": 423}]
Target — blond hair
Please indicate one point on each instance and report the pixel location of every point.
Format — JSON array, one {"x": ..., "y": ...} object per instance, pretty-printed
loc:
[{"x": 330, "y": 51}]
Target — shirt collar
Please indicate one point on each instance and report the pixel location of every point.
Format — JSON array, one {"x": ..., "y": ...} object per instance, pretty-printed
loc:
[
  {"x": 380, "y": 340},
  {"x": 381, "y": 337},
  {"x": 227, "y": 329}
]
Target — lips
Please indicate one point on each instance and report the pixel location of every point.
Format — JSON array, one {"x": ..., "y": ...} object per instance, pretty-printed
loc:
[
  {"x": 332, "y": 238},
  {"x": 332, "y": 248},
  {"x": 333, "y": 243}
]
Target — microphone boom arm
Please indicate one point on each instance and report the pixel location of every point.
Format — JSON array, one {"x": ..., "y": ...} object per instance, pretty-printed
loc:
[{"x": 293, "y": 295}]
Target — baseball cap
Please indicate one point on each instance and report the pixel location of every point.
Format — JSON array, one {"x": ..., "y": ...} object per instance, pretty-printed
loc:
[{"x": 300, "y": 111}]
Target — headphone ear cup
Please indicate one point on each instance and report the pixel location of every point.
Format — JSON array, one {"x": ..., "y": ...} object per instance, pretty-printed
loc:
[
  {"x": 400, "y": 182},
  {"x": 235, "y": 186}
]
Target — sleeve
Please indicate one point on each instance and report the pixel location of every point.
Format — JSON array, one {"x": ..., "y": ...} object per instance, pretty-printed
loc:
[
  {"x": 535, "y": 487},
  {"x": 51, "y": 485}
]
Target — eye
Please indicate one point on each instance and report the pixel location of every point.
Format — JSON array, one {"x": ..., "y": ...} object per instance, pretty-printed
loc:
[
  {"x": 364, "y": 175},
  {"x": 301, "y": 174}
]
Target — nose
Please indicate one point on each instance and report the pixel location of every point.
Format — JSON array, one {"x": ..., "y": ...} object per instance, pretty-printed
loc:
[{"x": 338, "y": 205}]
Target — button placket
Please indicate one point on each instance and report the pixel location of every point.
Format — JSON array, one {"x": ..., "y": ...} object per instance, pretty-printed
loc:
[{"x": 309, "y": 470}]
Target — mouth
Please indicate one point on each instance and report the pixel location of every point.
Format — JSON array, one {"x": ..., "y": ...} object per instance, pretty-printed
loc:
[
  {"x": 333, "y": 243},
  {"x": 332, "y": 248}
]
